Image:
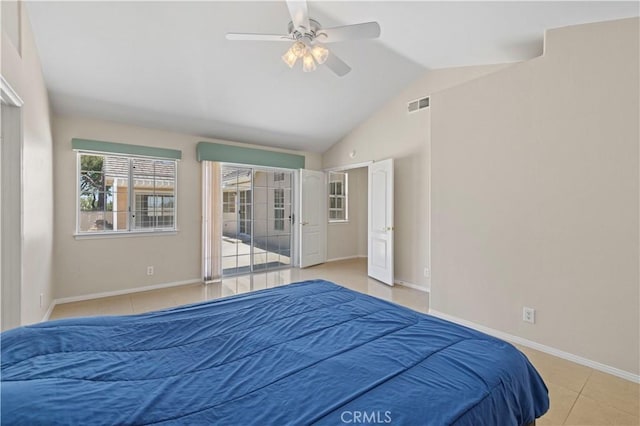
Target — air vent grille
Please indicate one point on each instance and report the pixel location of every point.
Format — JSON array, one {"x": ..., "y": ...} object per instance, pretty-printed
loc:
[{"x": 417, "y": 104}]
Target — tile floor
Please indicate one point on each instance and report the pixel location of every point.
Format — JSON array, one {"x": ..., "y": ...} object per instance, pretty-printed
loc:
[{"x": 579, "y": 395}]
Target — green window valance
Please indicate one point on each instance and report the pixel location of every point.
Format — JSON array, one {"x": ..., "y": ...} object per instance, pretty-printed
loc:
[
  {"x": 122, "y": 148},
  {"x": 208, "y": 151}
]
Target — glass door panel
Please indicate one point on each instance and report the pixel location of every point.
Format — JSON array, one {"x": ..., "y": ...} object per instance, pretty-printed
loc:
[
  {"x": 257, "y": 219},
  {"x": 261, "y": 200},
  {"x": 236, "y": 214}
]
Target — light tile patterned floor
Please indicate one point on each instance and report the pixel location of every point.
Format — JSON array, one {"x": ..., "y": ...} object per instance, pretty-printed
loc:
[{"x": 579, "y": 395}]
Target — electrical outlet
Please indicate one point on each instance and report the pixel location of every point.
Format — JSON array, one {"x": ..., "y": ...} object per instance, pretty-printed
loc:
[
  {"x": 529, "y": 315},
  {"x": 149, "y": 270},
  {"x": 41, "y": 300},
  {"x": 427, "y": 273}
]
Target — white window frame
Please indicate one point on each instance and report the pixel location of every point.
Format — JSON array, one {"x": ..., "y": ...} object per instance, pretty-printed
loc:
[
  {"x": 131, "y": 231},
  {"x": 344, "y": 197}
]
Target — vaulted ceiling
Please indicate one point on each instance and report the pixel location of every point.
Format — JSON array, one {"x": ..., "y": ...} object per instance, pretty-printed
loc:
[{"x": 168, "y": 65}]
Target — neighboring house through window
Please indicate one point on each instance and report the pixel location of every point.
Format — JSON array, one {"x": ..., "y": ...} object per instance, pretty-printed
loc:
[
  {"x": 338, "y": 198},
  {"x": 119, "y": 193}
]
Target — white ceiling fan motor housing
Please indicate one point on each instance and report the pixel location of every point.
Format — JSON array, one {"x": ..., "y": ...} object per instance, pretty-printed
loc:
[{"x": 305, "y": 35}]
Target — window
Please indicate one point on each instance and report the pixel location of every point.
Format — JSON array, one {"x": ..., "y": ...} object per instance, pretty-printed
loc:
[
  {"x": 122, "y": 194},
  {"x": 278, "y": 209},
  {"x": 338, "y": 201},
  {"x": 278, "y": 177},
  {"x": 229, "y": 202}
]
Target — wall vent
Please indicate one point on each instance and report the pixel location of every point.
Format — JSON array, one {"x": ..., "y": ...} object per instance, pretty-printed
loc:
[{"x": 417, "y": 105}]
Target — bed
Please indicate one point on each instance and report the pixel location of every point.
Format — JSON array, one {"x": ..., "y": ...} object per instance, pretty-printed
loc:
[{"x": 306, "y": 353}]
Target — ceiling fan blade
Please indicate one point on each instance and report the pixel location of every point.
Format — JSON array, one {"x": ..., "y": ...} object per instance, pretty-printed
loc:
[
  {"x": 257, "y": 37},
  {"x": 349, "y": 32},
  {"x": 337, "y": 65},
  {"x": 299, "y": 13}
]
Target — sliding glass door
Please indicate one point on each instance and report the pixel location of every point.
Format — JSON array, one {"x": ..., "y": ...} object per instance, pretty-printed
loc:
[{"x": 257, "y": 208}]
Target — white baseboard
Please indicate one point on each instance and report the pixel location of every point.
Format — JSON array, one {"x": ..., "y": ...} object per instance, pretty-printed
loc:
[
  {"x": 540, "y": 347},
  {"x": 412, "y": 285},
  {"x": 124, "y": 291},
  {"x": 335, "y": 259},
  {"x": 48, "y": 313}
]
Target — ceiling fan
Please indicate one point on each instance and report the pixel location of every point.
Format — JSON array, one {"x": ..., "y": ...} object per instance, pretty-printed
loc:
[{"x": 309, "y": 37}]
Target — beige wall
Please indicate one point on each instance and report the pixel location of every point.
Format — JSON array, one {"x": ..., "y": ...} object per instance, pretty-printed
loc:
[
  {"x": 24, "y": 73},
  {"x": 535, "y": 196},
  {"x": 102, "y": 265},
  {"x": 392, "y": 133},
  {"x": 349, "y": 239},
  {"x": 11, "y": 11}
]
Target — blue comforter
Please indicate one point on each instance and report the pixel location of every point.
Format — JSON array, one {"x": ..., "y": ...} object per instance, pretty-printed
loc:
[{"x": 311, "y": 352}]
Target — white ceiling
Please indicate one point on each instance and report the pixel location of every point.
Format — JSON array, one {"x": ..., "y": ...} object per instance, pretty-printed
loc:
[{"x": 168, "y": 65}]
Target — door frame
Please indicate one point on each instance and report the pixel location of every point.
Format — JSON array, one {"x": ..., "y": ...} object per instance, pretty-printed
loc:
[
  {"x": 345, "y": 168},
  {"x": 348, "y": 167}
]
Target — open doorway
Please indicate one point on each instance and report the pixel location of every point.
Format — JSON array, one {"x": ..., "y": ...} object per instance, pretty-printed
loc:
[
  {"x": 347, "y": 213},
  {"x": 360, "y": 199}
]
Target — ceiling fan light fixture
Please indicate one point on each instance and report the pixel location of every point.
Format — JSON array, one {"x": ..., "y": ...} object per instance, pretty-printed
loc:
[
  {"x": 320, "y": 53},
  {"x": 308, "y": 64},
  {"x": 290, "y": 58},
  {"x": 299, "y": 49}
]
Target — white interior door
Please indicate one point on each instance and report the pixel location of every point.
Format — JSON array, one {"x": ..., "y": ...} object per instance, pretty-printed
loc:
[
  {"x": 11, "y": 218},
  {"x": 312, "y": 218},
  {"x": 380, "y": 247}
]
